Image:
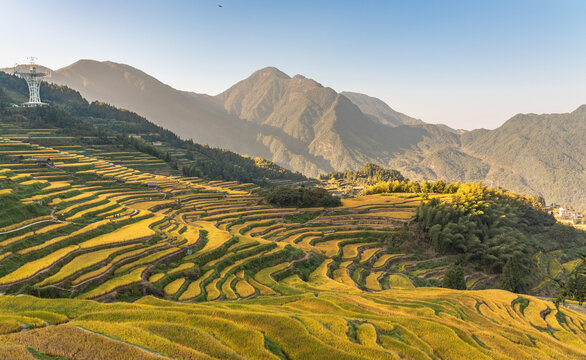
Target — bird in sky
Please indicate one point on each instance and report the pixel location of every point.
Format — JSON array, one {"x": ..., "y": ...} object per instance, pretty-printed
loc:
[{"x": 220, "y": 5}]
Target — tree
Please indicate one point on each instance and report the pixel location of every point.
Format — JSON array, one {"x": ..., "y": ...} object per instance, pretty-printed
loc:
[
  {"x": 511, "y": 277},
  {"x": 573, "y": 285},
  {"x": 454, "y": 278}
]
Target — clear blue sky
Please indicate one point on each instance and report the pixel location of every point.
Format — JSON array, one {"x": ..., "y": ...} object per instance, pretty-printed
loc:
[{"x": 467, "y": 64}]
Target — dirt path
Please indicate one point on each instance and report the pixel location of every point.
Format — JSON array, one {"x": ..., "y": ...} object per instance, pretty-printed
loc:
[
  {"x": 148, "y": 351},
  {"x": 29, "y": 225}
]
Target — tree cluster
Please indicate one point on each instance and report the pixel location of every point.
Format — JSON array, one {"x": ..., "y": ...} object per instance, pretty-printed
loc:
[
  {"x": 426, "y": 187},
  {"x": 369, "y": 174},
  {"x": 495, "y": 229},
  {"x": 289, "y": 196}
]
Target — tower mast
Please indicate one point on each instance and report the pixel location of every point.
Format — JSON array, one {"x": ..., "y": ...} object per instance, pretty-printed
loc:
[{"x": 33, "y": 78}]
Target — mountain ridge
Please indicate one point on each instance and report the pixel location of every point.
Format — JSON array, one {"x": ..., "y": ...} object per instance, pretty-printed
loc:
[{"x": 298, "y": 123}]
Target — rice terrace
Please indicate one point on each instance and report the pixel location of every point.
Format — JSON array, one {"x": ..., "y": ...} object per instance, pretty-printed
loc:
[
  {"x": 281, "y": 218},
  {"x": 229, "y": 276}
]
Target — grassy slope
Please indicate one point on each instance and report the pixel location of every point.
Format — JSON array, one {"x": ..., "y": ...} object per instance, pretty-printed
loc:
[{"x": 416, "y": 324}]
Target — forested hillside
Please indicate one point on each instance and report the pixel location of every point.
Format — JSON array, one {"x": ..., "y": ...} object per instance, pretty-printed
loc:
[{"x": 537, "y": 154}]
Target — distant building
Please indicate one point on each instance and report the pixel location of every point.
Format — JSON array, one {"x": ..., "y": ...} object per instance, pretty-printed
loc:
[
  {"x": 152, "y": 184},
  {"x": 157, "y": 143},
  {"x": 43, "y": 161},
  {"x": 568, "y": 215}
]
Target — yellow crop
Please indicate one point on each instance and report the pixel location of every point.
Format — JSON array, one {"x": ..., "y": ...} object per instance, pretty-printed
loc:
[
  {"x": 341, "y": 274},
  {"x": 212, "y": 290},
  {"x": 137, "y": 230},
  {"x": 262, "y": 289},
  {"x": 368, "y": 253},
  {"x": 264, "y": 276},
  {"x": 372, "y": 281},
  {"x": 182, "y": 267},
  {"x": 23, "y": 223},
  {"x": 41, "y": 231},
  {"x": 31, "y": 268},
  {"x": 42, "y": 196},
  {"x": 384, "y": 258},
  {"x": 156, "y": 277},
  {"x": 366, "y": 335},
  {"x": 244, "y": 289},
  {"x": 82, "y": 262},
  {"x": 351, "y": 251},
  {"x": 146, "y": 260},
  {"x": 319, "y": 279},
  {"x": 79, "y": 214},
  {"x": 227, "y": 289},
  {"x": 399, "y": 281},
  {"x": 110, "y": 285},
  {"x": 83, "y": 195},
  {"x": 55, "y": 240},
  {"x": 174, "y": 286},
  {"x": 329, "y": 248},
  {"x": 117, "y": 259},
  {"x": 215, "y": 236},
  {"x": 68, "y": 341},
  {"x": 194, "y": 288}
]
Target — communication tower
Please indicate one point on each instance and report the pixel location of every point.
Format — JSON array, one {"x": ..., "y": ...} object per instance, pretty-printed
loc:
[{"x": 33, "y": 77}]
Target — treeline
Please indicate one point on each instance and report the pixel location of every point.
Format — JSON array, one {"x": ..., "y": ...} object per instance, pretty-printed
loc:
[
  {"x": 4, "y": 98},
  {"x": 290, "y": 196},
  {"x": 105, "y": 124},
  {"x": 369, "y": 174},
  {"x": 426, "y": 187},
  {"x": 496, "y": 230},
  {"x": 218, "y": 163}
]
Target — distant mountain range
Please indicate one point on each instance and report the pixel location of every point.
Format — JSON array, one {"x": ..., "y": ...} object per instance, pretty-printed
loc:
[{"x": 300, "y": 124}]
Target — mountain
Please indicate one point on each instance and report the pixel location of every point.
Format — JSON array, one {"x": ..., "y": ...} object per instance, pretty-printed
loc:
[
  {"x": 540, "y": 154},
  {"x": 379, "y": 111},
  {"x": 195, "y": 116},
  {"x": 300, "y": 124},
  {"x": 295, "y": 122},
  {"x": 299, "y": 116}
]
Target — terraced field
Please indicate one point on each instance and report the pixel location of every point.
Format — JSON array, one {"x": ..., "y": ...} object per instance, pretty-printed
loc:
[
  {"x": 102, "y": 221},
  {"x": 393, "y": 324},
  {"x": 86, "y": 225},
  {"x": 103, "y": 224}
]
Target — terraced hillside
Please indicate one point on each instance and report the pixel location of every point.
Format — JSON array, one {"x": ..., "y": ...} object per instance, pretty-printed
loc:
[
  {"x": 392, "y": 324},
  {"x": 344, "y": 282},
  {"x": 80, "y": 226}
]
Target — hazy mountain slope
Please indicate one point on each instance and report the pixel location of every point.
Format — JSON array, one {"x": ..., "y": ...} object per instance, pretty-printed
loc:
[
  {"x": 378, "y": 110},
  {"x": 544, "y": 154},
  {"x": 317, "y": 118},
  {"x": 295, "y": 122},
  {"x": 198, "y": 117}
]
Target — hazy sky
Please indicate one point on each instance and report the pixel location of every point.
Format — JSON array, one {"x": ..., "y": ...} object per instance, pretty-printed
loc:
[{"x": 467, "y": 64}]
